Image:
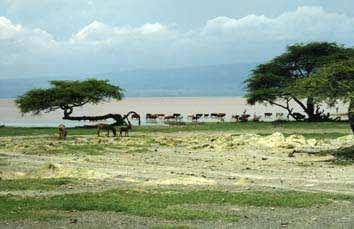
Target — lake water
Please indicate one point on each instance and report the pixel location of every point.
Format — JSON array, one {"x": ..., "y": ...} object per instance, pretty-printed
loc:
[{"x": 10, "y": 115}]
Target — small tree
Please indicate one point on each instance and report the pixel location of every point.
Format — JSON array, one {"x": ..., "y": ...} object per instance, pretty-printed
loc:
[
  {"x": 331, "y": 83},
  {"x": 66, "y": 95},
  {"x": 272, "y": 82}
]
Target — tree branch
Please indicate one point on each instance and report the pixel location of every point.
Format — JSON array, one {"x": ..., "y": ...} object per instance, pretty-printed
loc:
[
  {"x": 300, "y": 104},
  {"x": 119, "y": 119},
  {"x": 287, "y": 107}
]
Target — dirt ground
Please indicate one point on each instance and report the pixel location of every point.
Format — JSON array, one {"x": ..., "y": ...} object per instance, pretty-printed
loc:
[{"x": 189, "y": 161}]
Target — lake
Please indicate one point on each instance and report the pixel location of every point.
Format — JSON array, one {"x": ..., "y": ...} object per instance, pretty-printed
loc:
[{"x": 10, "y": 115}]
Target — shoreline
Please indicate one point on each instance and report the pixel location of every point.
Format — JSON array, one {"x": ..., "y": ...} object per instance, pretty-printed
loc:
[{"x": 230, "y": 105}]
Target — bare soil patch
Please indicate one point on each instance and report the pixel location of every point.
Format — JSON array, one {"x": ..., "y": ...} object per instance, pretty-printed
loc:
[{"x": 188, "y": 161}]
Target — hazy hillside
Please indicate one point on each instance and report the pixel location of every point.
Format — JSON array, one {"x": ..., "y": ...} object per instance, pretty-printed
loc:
[{"x": 220, "y": 80}]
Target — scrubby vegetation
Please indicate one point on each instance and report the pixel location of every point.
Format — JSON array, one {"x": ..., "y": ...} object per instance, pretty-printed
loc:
[{"x": 189, "y": 176}]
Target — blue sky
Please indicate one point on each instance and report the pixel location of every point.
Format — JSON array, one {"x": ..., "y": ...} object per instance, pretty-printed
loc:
[{"x": 94, "y": 36}]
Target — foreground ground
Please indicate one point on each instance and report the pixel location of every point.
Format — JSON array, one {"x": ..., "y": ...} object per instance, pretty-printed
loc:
[{"x": 196, "y": 176}]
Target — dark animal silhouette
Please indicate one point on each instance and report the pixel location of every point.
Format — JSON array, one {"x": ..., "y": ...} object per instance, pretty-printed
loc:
[
  {"x": 298, "y": 116},
  {"x": 125, "y": 130},
  {"x": 107, "y": 127},
  {"x": 235, "y": 118}
]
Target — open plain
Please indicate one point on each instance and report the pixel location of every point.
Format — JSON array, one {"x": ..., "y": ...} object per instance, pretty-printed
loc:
[{"x": 244, "y": 175}]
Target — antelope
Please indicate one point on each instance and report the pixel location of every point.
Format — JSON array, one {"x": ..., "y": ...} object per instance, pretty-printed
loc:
[
  {"x": 62, "y": 131},
  {"x": 107, "y": 127},
  {"x": 235, "y": 118},
  {"x": 125, "y": 130},
  {"x": 151, "y": 117},
  {"x": 220, "y": 116}
]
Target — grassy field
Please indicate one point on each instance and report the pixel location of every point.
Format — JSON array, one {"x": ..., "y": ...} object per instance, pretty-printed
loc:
[
  {"x": 163, "y": 204},
  {"x": 206, "y": 175},
  {"x": 319, "y": 128}
]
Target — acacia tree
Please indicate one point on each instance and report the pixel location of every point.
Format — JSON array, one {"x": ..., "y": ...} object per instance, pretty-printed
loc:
[
  {"x": 330, "y": 84},
  {"x": 66, "y": 95},
  {"x": 272, "y": 82}
]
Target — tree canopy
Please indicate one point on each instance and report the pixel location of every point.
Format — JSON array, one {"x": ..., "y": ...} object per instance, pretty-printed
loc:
[
  {"x": 66, "y": 95},
  {"x": 331, "y": 83},
  {"x": 273, "y": 82}
]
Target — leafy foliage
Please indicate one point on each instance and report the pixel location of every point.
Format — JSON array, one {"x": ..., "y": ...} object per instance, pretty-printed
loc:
[
  {"x": 331, "y": 83},
  {"x": 275, "y": 80},
  {"x": 66, "y": 95}
]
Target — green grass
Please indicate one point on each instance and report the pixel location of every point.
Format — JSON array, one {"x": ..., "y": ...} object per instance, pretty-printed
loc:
[
  {"x": 172, "y": 205},
  {"x": 190, "y": 127},
  {"x": 172, "y": 227},
  {"x": 3, "y": 161},
  {"x": 34, "y": 131},
  {"x": 228, "y": 126},
  {"x": 33, "y": 184}
]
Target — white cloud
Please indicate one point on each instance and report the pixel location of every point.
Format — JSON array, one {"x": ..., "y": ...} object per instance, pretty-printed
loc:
[
  {"x": 99, "y": 33},
  {"x": 99, "y": 47},
  {"x": 20, "y": 46},
  {"x": 153, "y": 28},
  {"x": 304, "y": 24},
  {"x": 7, "y": 29}
]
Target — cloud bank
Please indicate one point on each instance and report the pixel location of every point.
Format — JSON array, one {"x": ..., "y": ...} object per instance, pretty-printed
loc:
[{"x": 99, "y": 47}]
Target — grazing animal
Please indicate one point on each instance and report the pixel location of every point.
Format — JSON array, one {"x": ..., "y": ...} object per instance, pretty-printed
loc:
[
  {"x": 268, "y": 116},
  {"x": 62, "y": 131},
  {"x": 298, "y": 116},
  {"x": 169, "y": 117},
  {"x": 213, "y": 115},
  {"x": 176, "y": 115},
  {"x": 221, "y": 117},
  {"x": 199, "y": 116},
  {"x": 107, "y": 127},
  {"x": 125, "y": 130},
  {"x": 244, "y": 117},
  {"x": 194, "y": 118},
  {"x": 235, "y": 118},
  {"x": 152, "y": 117}
]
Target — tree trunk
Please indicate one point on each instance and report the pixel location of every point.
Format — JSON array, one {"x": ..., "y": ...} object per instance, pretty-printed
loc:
[
  {"x": 310, "y": 109},
  {"x": 119, "y": 119},
  {"x": 351, "y": 114}
]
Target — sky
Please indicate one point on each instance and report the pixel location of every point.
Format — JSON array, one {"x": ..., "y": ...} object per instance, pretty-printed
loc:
[{"x": 66, "y": 37}]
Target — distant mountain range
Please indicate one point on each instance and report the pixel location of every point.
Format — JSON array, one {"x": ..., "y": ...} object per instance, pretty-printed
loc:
[{"x": 219, "y": 80}]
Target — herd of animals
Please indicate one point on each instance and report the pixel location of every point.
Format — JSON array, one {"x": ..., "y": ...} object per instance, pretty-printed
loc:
[
  {"x": 175, "y": 117},
  {"x": 63, "y": 132}
]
